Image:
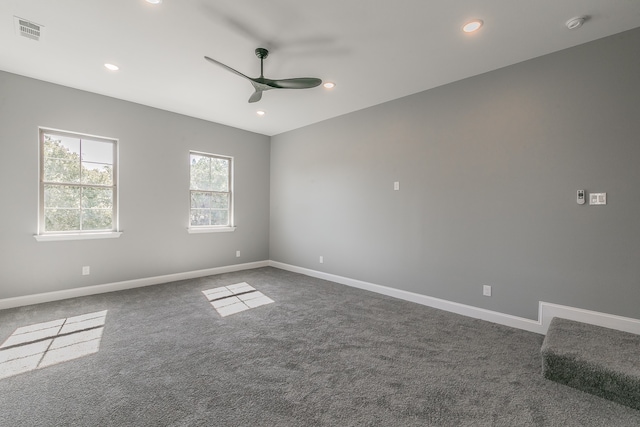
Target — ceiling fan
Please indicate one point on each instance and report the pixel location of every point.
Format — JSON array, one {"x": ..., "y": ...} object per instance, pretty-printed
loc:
[{"x": 260, "y": 84}]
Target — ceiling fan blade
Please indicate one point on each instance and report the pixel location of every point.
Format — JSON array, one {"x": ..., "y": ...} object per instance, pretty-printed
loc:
[
  {"x": 256, "y": 96},
  {"x": 260, "y": 84},
  {"x": 213, "y": 61},
  {"x": 260, "y": 87},
  {"x": 297, "y": 83}
]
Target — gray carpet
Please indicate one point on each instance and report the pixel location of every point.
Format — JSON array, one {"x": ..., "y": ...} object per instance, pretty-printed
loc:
[
  {"x": 598, "y": 360},
  {"x": 322, "y": 354}
]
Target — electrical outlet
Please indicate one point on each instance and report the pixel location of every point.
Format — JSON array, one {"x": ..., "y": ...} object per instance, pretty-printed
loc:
[
  {"x": 86, "y": 270},
  {"x": 598, "y": 198},
  {"x": 321, "y": 259},
  {"x": 486, "y": 290},
  {"x": 396, "y": 185},
  {"x": 237, "y": 254}
]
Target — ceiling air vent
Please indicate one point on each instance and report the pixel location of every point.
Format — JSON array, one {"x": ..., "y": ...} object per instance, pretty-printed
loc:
[{"x": 28, "y": 29}]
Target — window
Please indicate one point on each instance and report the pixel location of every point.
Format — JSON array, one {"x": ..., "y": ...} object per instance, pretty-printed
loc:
[
  {"x": 78, "y": 191},
  {"x": 211, "y": 192}
]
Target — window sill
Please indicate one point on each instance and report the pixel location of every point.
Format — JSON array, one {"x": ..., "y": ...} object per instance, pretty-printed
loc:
[
  {"x": 210, "y": 230},
  {"x": 77, "y": 236}
]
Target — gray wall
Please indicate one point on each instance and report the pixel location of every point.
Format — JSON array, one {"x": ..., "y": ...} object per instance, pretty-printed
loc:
[
  {"x": 488, "y": 170},
  {"x": 154, "y": 191}
]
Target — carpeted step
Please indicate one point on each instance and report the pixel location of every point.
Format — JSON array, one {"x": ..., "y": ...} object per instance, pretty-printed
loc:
[{"x": 601, "y": 361}]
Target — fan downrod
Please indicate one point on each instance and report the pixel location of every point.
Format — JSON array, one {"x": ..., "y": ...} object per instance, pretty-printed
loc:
[{"x": 262, "y": 53}]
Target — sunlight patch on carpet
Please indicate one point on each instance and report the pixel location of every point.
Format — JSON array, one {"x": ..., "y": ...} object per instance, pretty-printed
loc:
[
  {"x": 233, "y": 299},
  {"x": 45, "y": 344}
]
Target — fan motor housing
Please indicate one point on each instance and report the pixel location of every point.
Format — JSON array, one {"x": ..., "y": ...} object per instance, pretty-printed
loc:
[{"x": 262, "y": 53}]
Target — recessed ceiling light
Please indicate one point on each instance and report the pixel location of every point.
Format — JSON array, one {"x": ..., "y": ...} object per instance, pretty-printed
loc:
[
  {"x": 111, "y": 67},
  {"x": 154, "y": 1},
  {"x": 472, "y": 26},
  {"x": 260, "y": 113},
  {"x": 576, "y": 22},
  {"x": 329, "y": 85}
]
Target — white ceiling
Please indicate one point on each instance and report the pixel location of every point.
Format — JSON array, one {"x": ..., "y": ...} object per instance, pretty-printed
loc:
[{"x": 374, "y": 50}]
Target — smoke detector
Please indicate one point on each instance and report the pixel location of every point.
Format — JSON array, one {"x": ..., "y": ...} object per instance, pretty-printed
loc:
[
  {"x": 28, "y": 29},
  {"x": 575, "y": 23}
]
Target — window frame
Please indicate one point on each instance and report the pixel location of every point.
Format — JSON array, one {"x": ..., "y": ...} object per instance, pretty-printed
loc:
[
  {"x": 44, "y": 235},
  {"x": 214, "y": 228}
]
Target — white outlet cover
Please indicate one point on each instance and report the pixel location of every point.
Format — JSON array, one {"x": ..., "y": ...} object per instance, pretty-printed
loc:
[
  {"x": 598, "y": 198},
  {"x": 486, "y": 290}
]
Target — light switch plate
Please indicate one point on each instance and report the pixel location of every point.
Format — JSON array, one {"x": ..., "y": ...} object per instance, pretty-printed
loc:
[{"x": 598, "y": 198}]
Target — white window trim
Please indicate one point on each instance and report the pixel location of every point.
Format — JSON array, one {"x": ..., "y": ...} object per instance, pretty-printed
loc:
[
  {"x": 77, "y": 236},
  {"x": 42, "y": 236},
  {"x": 199, "y": 229}
]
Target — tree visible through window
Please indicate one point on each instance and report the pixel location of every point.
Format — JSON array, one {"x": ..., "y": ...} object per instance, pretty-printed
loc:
[
  {"x": 77, "y": 183},
  {"x": 211, "y": 197}
]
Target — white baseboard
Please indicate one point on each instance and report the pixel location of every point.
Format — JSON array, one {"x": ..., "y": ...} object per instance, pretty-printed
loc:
[
  {"x": 546, "y": 311},
  {"x": 119, "y": 286}
]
